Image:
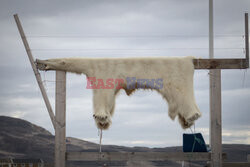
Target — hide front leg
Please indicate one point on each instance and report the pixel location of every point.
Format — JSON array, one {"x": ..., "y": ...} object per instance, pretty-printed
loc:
[{"x": 50, "y": 64}]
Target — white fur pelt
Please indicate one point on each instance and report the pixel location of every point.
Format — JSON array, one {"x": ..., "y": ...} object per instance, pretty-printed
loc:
[{"x": 176, "y": 74}]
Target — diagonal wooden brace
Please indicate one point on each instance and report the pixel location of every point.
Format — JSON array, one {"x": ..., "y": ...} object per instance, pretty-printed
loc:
[{"x": 36, "y": 72}]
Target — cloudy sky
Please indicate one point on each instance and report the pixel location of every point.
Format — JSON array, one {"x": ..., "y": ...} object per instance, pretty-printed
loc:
[{"x": 123, "y": 28}]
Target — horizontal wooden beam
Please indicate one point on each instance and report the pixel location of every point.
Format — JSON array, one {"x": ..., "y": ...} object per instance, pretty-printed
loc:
[
  {"x": 199, "y": 64},
  {"x": 138, "y": 156},
  {"x": 220, "y": 64},
  {"x": 234, "y": 164}
]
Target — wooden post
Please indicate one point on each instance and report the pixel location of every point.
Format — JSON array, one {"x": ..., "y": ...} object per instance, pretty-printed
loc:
[
  {"x": 246, "y": 39},
  {"x": 215, "y": 100},
  {"x": 60, "y": 131},
  {"x": 37, "y": 74},
  {"x": 215, "y": 118}
]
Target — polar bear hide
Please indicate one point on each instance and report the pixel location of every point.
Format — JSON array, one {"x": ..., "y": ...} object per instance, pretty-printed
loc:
[{"x": 176, "y": 74}]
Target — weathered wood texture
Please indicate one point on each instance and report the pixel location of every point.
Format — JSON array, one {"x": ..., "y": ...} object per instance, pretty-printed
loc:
[
  {"x": 202, "y": 64},
  {"x": 246, "y": 39},
  {"x": 233, "y": 164},
  {"x": 215, "y": 132},
  {"x": 60, "y": 136},
  {"x": 220, "y": 64},
  {"x": 36, "y": 72},
  {"x": 138, "y": 156}
]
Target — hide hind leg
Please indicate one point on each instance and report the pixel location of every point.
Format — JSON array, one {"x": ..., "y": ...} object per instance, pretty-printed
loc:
[
  {"x": 182, "y": 105},
  {"x": 188, "y": 114}
]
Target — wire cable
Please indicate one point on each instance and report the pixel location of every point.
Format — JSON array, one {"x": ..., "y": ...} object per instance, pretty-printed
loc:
[{"x": 134, "y": 36}]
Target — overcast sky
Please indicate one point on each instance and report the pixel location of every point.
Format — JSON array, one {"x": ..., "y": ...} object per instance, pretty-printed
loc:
[{"x": 123, "y": 28}]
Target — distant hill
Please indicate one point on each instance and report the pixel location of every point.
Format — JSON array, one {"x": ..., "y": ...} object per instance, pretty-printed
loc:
[{"x": 22, "y": 139}]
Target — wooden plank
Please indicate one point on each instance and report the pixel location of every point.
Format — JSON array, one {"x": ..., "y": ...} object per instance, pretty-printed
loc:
[
  {"x": 200, "y": 64},
  {"x": 137, "y": 156},
  {"x": 215, "y": 117},
  {"x": 36, "y": 72},
  {"x": 220, "y": 64},
  {"x": 246, "y": 39},
  {"x": 236, "y": 164},
  {"x": 233, "y": 164},
  {"x": 60, "y": 136}
]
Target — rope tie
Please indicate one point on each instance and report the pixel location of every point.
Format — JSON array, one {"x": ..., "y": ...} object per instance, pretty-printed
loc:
[
  {"x": 196, "y": 139},
  {"x": 100, "y": 146},
  {"x": 244, "y": 78},
  {"x": 44, "y": 81},
  {"x": 100, "y": 141}
]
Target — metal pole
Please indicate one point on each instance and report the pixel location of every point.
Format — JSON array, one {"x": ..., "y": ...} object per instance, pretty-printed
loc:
[
  {"x": 246, "y": 39},
  {"x": 211, "y": 30}
]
